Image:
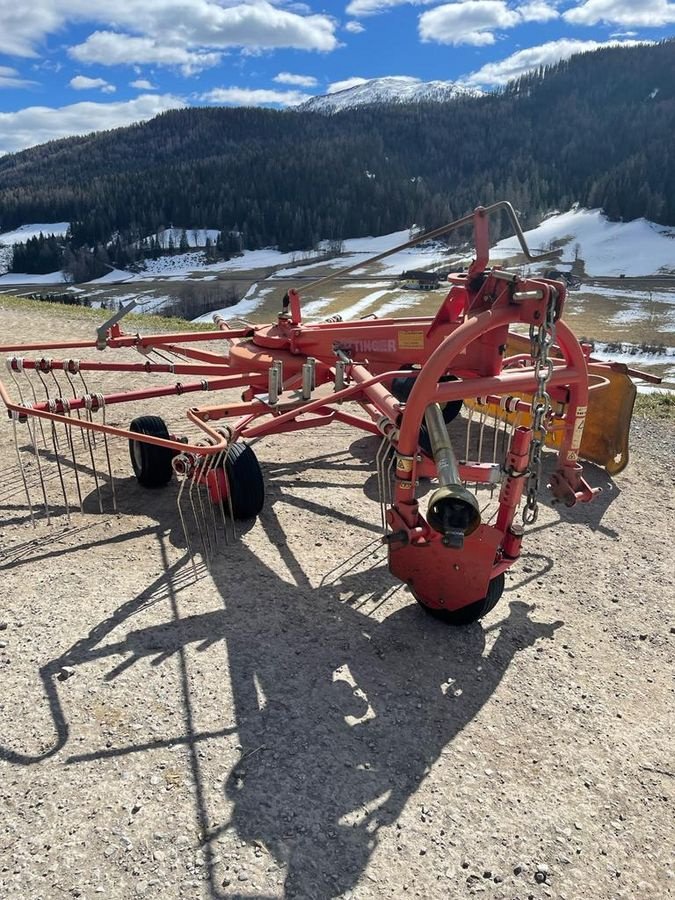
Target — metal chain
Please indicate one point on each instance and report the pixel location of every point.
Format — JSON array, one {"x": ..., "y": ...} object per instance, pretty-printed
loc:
[{"x": 541, "y": 340}]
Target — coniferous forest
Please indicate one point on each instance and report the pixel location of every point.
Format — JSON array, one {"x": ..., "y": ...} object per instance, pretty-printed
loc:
[{"x": 596, "y": 129}]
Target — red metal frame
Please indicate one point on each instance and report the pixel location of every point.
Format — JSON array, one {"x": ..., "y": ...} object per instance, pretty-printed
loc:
[{"x": 466, "y": 338}]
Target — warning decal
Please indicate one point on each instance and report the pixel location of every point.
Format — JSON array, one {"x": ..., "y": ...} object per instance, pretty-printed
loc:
[{"x": 411, "y": 340}]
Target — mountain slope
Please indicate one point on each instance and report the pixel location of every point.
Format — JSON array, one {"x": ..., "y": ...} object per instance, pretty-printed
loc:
[{"x": 595, "y": 129}]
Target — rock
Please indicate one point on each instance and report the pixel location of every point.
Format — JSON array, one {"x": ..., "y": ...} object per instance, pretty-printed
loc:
[{"x": 65, "y": 672}]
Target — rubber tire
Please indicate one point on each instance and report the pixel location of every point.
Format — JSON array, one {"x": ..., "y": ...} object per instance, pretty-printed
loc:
[
  {"x": 401, "y": 387},
  {"x": 245, "y": 479},
  {"x": 474, "y": 611},
  {"x": 151, "y": 464}
]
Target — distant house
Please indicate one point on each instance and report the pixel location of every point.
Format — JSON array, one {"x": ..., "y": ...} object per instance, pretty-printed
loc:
[{"x": 419, "y": 280}]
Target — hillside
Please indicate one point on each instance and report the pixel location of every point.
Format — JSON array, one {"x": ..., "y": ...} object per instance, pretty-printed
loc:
[{"x": 595, "y": 129}]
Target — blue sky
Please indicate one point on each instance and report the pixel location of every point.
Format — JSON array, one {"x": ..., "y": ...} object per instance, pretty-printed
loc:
[{"x": 73, "y": 66}]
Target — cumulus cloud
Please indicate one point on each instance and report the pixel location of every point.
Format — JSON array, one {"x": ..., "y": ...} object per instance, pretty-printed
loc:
[
  {"x": 237, "y": 96},
  {"x": 109, "y": 48},
  {"x": 193, "y": 26},
  {"x": 628, "y": 13},
  {"x": 468, "y": 22},
  {"x": 10, "y": 78},
  {"x": 82, "y": 83},
  {"x": 537, "y": 11},
  {"x": 38, "y": 124},
  {"x": 307, "y": 81},
  {"x": 142, "y": 84},
  {"x": 498, "y": 73},
  {"x": 354, "y": 27},
  {"x": 372, "y": 7},
  {"x": 346, "y": 84}
]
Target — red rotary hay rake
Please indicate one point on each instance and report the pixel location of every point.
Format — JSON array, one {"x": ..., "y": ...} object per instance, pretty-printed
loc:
[{"x": 422, "y": 385}]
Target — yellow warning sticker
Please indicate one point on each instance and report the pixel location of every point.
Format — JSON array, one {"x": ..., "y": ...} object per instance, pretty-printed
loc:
[{"x": 411, "y": 340}]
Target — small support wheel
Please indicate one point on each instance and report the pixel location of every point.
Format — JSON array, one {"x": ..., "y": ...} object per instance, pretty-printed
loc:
[
  {"x": 474, "y": 611},
  {"x": 245, "y": 479},
  {"x": 151, "y": 464}
]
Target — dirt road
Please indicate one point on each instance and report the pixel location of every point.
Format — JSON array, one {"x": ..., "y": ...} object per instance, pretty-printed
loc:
[{"x": 291, "y": 724}]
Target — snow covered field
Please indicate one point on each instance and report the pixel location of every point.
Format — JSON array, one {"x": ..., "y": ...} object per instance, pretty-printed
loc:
[{"x": 607, "y": 248}]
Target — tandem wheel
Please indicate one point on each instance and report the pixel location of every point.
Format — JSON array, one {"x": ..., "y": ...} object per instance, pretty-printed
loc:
[
  {"x": 245, "y": 479},
  {"x": 151, "y": 464}
]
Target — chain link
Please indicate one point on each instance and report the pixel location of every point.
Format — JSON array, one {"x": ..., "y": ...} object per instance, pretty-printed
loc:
[{"x": 541, "y": 340}]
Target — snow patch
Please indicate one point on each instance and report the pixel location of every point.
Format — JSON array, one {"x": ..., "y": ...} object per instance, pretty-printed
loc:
[{"x": 607, "y": 248}]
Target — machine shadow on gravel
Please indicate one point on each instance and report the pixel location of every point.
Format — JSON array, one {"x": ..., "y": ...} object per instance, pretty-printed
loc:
[{"x": 340, "y": 714}]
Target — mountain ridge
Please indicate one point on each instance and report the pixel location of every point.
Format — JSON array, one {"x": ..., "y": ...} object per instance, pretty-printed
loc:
[{"x": 389, "y": 89}]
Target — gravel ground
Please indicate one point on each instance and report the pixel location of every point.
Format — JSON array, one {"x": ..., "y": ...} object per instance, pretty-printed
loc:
[{"x": 289, "y": 723}]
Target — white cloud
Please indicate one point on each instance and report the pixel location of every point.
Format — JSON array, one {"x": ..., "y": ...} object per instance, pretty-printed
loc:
[
  {"x": 10, "y": 78},
  {"x": 372, "y": 7},
  {"x": 523, "y": 61},
  {"x": 346, "y": 84},
  {"x": 468, "y": 22},
  {"x": 38, "y": 124},
  {"x": 142, "y": 84},
  {"x": 193, "y": 26},
  {"x": 354, "y": 27},
  {"x": 537, "y": 11},
  {"x": 109, "y": 48},
  {"x": 299, "y": 80},
  {"x": 236, "y": 96},
  {"x": 82, "y": 83},
  {"x": 628, "y": 13}
]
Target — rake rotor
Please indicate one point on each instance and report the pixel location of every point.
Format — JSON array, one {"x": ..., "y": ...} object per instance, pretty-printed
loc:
[{"x": 458, "y": 398}]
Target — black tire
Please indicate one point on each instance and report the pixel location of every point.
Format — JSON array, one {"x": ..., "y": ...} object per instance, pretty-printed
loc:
[
  {"x": 245, "y": 479},
  {"x": 474, "y": 611},
  {"x": 151, "y": 464},
  {"x": 401, "y": 387}
]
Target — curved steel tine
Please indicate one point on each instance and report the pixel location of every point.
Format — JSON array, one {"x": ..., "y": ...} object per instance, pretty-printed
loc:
[
  {"x": 57, "y": 457},
  {"x": 495, "y": 441},
  {"x": 14, "y": 417},
  {"x": 388, "y": 481},
  {"x": 107, "y": 456},
  {"x": 39, "y": 467},
  {"x": 36, "y": 401},
  {"x": 77, "y": 412},
  {"x": 71, "y": 443},
  {"x": 182, "y": 521},
  {"x": 229, "y": 492},
  {"x": 91, "y": 435},
  {"x": 208, "y": 468},
  {"x": 481, "y": 434},
  {"x": 198, "y": 521},
  {"x": 467, "y": 447},
  {"x": 379, "y": 466},
  {"x": 220, "y": 463}
]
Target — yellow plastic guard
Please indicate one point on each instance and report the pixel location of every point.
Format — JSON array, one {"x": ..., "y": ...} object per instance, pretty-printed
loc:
[{"x": 610, "y": 409}]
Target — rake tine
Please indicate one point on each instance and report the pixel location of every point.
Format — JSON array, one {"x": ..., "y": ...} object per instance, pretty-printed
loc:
[
  {"x": 71, "y": 443},
  {"x": 208, "y": 468},
  {"x": 194, "y": 513},
  {"x": 229, "y": 492},
  {"x": 35, "y": 400},
  {"x": 220, "y": 463},
  {"x": 101, "y": 403},
  {"x": 39, "y": 466},
  {"x": 481, "y": 433},
  {"x": 15, "y": 416},
  {"x": 60, "y": 471},
  {"x": 200, "y": 497},
  {"x": 469, "y": 423},
  {"x": 77, "y": 411},
  {"x": 379, "y": 466},
  {"x": 495, "y": 440},
  {"x": 89, "y": 414},
  {"x": 185, "y": 531},
  {"x": 95, "y": 471}
]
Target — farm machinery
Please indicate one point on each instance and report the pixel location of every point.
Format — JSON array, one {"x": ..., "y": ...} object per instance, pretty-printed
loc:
[{"x": 470, "y": 399}]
